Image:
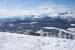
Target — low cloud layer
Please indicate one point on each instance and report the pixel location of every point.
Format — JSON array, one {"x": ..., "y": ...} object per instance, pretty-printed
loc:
[{"x": 42, "y": 9}]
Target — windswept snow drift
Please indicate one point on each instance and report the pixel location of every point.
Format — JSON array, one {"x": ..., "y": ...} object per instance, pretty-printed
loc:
[{"x": 12, "y": 41}]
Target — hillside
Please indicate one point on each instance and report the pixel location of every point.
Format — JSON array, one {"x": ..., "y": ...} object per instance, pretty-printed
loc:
[{"x": 13, "y": 41}]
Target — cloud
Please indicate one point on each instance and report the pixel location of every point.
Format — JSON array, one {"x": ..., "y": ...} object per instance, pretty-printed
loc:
[
  {"x": 42, "y": 9},
  {"x": 54, "y": 10}
]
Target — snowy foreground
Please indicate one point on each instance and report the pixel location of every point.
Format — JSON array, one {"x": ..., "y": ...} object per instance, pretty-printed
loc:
[{"x": 12, "y": 41}]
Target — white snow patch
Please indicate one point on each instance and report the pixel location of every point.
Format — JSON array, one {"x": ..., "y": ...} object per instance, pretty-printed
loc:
[
  {"x": 72, "y": 24},
  {"x": 12, "y": 41}
]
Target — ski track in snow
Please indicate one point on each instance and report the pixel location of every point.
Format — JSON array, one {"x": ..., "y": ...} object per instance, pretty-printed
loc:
[{"x": 13, "y": 41}]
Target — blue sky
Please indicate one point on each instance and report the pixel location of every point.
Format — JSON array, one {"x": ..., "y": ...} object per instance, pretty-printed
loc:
[
  {"x": 22, "y": 3},
  {"x": 69, "y": 3},
  {"x": 8, "y": 5},
  {"x": 35, "y": 3}
]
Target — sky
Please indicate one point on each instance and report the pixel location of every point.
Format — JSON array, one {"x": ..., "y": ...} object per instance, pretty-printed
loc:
[{"x": 35, "y": 7}]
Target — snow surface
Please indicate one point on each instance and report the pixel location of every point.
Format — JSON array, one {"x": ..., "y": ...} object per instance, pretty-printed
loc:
[
  {"x": 59, "y": 29},
  {"x": 71, "y": 29},
  {"x": 13, "y": 41}
]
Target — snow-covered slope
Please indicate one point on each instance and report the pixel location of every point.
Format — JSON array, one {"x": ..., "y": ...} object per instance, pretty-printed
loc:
[{"x": 12, "y": 41}]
